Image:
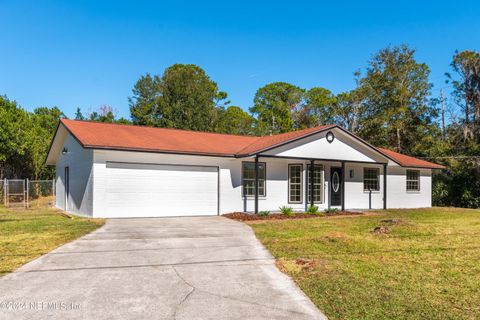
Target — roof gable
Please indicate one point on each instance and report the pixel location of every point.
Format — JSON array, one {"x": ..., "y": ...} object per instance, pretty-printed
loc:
[
  {"x": 345, "y": 147},
  {"x": 56, "y": 144}
]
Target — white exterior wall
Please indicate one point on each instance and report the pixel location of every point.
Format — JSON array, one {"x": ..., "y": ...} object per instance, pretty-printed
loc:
[
  {"x": 355, "y": 196},
  {"x": 79, "y": 161},
  {"x": 276, "y": 186},
  {"x": 399, "y": 197},
  {"x": 230, "y": 199},
  {"x": 88, "y": 177},
  {"x": 230, "y": 179}
]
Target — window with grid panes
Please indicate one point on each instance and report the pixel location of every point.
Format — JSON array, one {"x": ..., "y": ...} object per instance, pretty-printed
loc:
[
  {"x": 248, "y": 179},
  {"x": 371, "y": 179},
  {"x": 317, "y": 184},
  {"x": 413, "y": 180},
  {"x": 295, "y": 183}
]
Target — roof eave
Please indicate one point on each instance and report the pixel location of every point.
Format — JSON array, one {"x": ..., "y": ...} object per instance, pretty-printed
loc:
[
  {"x": 189, "y": 153},
  {"x": 440, "y": 167}
]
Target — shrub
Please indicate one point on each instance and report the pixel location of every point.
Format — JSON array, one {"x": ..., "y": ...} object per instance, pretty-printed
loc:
[
  {"x": 331, "y": 211},
  {"x": 264, "y": 213},
  {"x": 312, "y": 209},
  {"x": 288, "y": 211}
]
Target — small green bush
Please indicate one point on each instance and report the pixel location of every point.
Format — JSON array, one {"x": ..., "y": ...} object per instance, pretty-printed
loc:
[
  {"x": 313, "y": 210},
  {"x": 331, "y": 211},
  {"x": 264, "y": 213},
  {"x": 288, "y": 211}
]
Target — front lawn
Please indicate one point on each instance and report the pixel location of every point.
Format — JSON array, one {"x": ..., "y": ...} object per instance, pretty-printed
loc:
[
  {"x": 28, "y": 234},
  {"x": 423, "y": 264}
]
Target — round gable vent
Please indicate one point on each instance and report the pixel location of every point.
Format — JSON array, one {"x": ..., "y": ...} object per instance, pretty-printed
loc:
[{"x": 330, "y": 136}]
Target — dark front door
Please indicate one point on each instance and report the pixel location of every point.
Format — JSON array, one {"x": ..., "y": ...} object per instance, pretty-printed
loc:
[{"x": 336, "y": 186}]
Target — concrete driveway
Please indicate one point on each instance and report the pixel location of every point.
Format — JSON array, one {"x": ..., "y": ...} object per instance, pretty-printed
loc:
[{"x": 165, "y": 268}]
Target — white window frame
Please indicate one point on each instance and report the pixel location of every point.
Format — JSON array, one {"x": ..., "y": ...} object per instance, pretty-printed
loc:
[
  {"x": 377, "y": 170},
  {"x": 260, "y": 179},
  {"x": 321, "y": 184},
  {"x": 299, "y": 184},
  {"x": 417, "y": 180}
]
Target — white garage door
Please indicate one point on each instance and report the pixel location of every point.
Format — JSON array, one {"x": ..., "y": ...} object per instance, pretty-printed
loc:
[{"x": 151, "y": 190}]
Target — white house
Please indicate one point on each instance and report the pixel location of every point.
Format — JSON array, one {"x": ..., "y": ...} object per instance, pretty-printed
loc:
[{"x": 113, "y": 170}]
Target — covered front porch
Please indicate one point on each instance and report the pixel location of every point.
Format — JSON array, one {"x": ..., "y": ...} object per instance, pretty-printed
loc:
[
  {"x": 337, "y": 183},
  {"x": 348, "y": 173}
]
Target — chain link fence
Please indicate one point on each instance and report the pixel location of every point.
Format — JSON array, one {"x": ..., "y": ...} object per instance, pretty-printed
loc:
[
  {"x": 27, "y": 193},
  {"x": 15, "y": 191},
  {"x": 40, "y": 193}
]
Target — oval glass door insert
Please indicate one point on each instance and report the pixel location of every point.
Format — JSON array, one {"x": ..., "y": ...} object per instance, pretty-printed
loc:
[{"x": 335, "y": 181}]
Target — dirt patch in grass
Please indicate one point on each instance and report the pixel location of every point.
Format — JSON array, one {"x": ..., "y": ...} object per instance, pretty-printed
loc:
[
  {"x": 298, "y": 265},
  {"x": 392, "y": 221},
  {"x": 381, "y": 230},
  {"x": 242, "y": 216}
]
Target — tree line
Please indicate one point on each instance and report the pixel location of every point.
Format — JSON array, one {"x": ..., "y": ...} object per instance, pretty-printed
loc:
[{"x": 391, "y": 105}]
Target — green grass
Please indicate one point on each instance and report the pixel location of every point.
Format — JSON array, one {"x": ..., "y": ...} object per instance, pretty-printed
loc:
[
  {"x": 426, "y": 267},
  {"x": 28, "y": 234}
]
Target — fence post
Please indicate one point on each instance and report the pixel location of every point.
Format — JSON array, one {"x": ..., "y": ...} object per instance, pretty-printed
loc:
[
  {"x": 5, "y": 191},
  {"x": 27, "y": 191}
]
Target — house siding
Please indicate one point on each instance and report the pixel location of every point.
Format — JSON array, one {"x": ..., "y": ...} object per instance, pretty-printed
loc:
[
  {"x": 229, "y": 175},
  {"x": 88, "y": 179},
  {"x": 399, "y": 197},
  {"x": 79, "y": 161},
  {"x": 355, "y": 195}
]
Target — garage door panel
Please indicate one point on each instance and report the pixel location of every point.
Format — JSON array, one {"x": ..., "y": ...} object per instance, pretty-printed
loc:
[{"x": 145, "y": 190}]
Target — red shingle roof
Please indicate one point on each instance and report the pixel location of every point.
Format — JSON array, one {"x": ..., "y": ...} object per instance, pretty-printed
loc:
[
  {"x": 139, "y": 138},
  {"x": 407, "y": 161}
]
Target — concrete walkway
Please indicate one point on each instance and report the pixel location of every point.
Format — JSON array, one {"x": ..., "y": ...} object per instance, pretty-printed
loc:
[{"x": 165, "y": 268}]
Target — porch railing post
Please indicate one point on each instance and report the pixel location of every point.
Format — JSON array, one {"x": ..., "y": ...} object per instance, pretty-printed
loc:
[
  {"x": 343, "y": 186},
  {"x": 256, "y": 184},
  {"x": 384, "y": 187},
  {"x": 312, "y": 167}
]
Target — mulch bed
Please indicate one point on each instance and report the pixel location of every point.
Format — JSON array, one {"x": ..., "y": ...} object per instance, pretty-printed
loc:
[{"x": 242, "y": 216}]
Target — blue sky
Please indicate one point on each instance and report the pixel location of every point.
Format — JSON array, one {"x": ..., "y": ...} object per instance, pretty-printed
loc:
[{"x": 89, "y": 53}]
